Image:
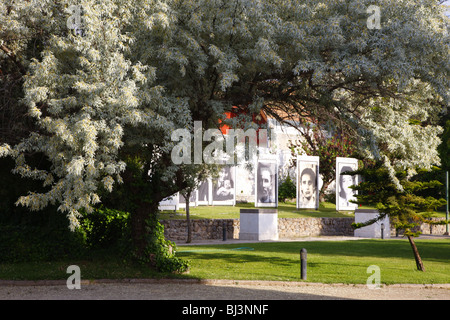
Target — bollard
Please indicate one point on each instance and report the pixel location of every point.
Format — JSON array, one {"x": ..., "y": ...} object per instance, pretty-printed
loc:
[
  {"x": 224, "y": 230},
  {"x": 303, "y": 255},
  {"x": 382, "y": 231}
]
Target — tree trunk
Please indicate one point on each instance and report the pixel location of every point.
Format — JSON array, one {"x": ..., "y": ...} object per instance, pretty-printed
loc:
[
  {"x": 188, "y": 220},
  {"x": 139, "y": 230},
  {"x": 322, "y": 191},
  {"x": 419, "y": 262}
]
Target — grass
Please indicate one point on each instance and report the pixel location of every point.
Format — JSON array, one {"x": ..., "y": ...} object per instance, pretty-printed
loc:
[
  {"x": 285, "y": 210},
  {"x": 328, "y": 262},
  {"x": 104, "y": 265}
]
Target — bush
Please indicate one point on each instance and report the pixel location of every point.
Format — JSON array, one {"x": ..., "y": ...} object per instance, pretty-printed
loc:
[
  {"x": 105, "y": 228},
  {"x": 109, "y": 229},
  {"x": 160, "y": 253},
  {"x": 27, "y": 236},
  {"x": 32, "y": 236},
  {"x": 24, "y": 243},
  {"x": 287, "y": 190},
  {"x": 330, "y": 197}
]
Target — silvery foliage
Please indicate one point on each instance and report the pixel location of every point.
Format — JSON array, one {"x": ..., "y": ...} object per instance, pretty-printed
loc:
[
  {"x": 142, "y": 68},
  {"x": 84, "y": 93}
]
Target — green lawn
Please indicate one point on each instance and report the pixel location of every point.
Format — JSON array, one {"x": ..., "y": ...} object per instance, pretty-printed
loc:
[
  {"x": 328, "y": 262},
  {"x": 285, "y": 210},
  {"x": 101, "y": 266}
]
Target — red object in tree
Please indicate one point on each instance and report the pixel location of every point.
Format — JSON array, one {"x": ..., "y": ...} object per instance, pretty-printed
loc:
[{"x": 260, "y": 119}]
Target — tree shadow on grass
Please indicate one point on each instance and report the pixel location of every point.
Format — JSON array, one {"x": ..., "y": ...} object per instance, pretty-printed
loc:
[
  {"x": 236, "y": 258},
  {"x": 438, "y": 251},
  {"x": 281, "y": 260}
]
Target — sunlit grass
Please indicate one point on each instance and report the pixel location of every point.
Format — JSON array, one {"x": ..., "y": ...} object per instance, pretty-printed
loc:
[
  {"x": 328, "y": 261},
  {"x": 285, "y": 210}
]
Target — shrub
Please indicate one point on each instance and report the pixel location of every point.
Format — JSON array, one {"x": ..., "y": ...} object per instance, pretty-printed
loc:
[
  {"x": 105, "y": 228},
  {"x": 109, "y": 228},
  {"x": 287, "y": 190},
  {"x": 25, "y": 243},
  {"x": 32, "y": 236},
  {"x": 330, "y": 197},
  {"x": 160, "y": 253}
]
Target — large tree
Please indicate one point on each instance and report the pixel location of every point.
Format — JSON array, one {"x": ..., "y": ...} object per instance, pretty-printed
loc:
[{"x": 103, "y": 102}]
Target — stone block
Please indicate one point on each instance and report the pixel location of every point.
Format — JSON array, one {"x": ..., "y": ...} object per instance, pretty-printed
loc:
[
  {"x": 258, "y": 224},
  {"x": 373, "y": 230}
]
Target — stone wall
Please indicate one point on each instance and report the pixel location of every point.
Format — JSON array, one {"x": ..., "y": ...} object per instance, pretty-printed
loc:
[
  {"x": 288, "y": 228},
  {"x": 425, "y": 228},
  {"x": 202, "y": 229}
]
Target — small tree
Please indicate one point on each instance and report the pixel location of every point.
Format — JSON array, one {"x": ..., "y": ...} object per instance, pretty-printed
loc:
[
  {"x": 194, "y": 175},
  {"x": 186, "y": 194},
  {"x": 286, "y": 190},
  {"x": 403, "y": 203}
]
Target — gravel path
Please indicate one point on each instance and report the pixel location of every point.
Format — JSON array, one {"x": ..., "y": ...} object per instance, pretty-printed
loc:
[{"x": 216, "y": 290}]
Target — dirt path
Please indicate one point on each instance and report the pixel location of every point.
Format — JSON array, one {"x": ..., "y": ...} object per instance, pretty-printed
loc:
[{"x": 216, "y": 290}]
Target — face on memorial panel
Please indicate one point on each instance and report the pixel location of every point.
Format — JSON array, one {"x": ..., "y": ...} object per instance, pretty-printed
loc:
[
  {"x": 266, "y": 180},
  {"x": 308, "y": 184},
  {"x": 266, "y": 185},
  {"x": 345, "y": 181},
  {"x": 308, "y": 188}
]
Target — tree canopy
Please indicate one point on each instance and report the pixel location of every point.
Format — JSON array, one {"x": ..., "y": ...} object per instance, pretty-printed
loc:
[{"x": 112, "y": 94}]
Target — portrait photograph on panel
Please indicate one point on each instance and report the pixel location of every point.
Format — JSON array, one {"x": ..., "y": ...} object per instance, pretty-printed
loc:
[
  {"x": 266, "y": 183},
  {"x": 223, "y": 192},
  {"x": 307, "y": 182},
  {"x": 344, "y": 194}
]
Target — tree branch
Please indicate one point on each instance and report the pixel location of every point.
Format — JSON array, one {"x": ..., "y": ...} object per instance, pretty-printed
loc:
[{"x": 13, "y": 58}]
